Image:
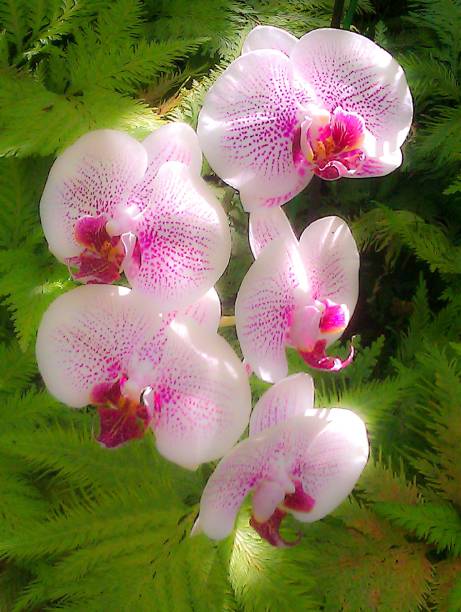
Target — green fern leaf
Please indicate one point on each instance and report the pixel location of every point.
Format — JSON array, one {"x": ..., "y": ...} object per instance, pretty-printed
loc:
[
  {"x": 18, "y": 367},
  {"x": 436, "y": 523}
]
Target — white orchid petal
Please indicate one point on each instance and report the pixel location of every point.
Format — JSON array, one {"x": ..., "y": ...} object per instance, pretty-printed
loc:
[
  {"x": 93, "y": 177},
  {"x": 292, "y": 396},
  {"x": 184, "y": 239},
  {"x": 267, "y": 225},
  {"x": 349, "y": 70},
  {"x": 332, "y": 261},
  {"x": 269, "y": 37},
  {"x": 324, "y": 450},
  {"x": 171, "y": 142},
  {"x": 206, "y": 311},
  {"x": 331, "y": 465},
  {"x": 244, "y": 467},
  {"x": 203, "y": 393},
  {"x": 264, "y": 307},
  {"x": 247, "y": 126},
  {"x": 88, "y": 336}
]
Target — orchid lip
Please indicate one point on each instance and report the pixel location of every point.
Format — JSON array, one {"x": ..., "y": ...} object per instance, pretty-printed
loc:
[
  {"x": 270, "y": 530},
  {"x": 330, "y": 144},
  {"x": 319, "y": 360},
  {"x": 297, "y": 500},
  {"x": 122, "y": 418},
  {"x": 103, "y": 255}
]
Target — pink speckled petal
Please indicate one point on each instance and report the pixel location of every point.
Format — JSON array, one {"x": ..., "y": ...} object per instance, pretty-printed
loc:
[
  {"x": 289, "y": 397},
  {"x": 88, "y": 336},
  {"x": 267, "y": 225},
  {"x": 349, "y": 70},
  {"x": 331, "y": 464},
  {"x": 269, "y": 37},
  {"x": 265, "y": 305},
  {"x": 247, "y": 126},
  {"x": 93, "y": 177},
  {"x": 266, "y": 497},
  {"x": 265, "y": 464},
  {"x": 332, "y": 263},
  {"x": 204, "y": 396},
  {"x": 377, "y": 164},
  {"x": 245, "y": 467},
  {"x": 171, "y": 142},
  {"x": 206, "y": 311},
  {"x": 184, "y": 239},
  {"x": 252, "y": 201}
]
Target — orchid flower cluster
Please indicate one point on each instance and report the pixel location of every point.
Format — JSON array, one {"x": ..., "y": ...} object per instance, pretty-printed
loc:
[{"x": 149, "y": 357}]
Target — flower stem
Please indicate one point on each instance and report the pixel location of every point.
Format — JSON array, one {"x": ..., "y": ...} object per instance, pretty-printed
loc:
[
  {"x": 338, "y": 9},
  {"x": 227, "y": 321},
  {"x": 349, "y": 16}
]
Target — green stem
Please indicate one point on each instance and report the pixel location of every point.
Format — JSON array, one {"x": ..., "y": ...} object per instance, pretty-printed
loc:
[
  {"x": 338, "y": 9},
  {"x": 349, "y": 16},
  {"x": 227, "y": 321}
]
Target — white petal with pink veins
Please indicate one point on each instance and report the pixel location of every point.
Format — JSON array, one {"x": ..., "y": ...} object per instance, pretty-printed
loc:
[
  {"x": 264, "y": 308},
  {"x": 206, "y": 311},
  {"x": 349, "y": 70},
  {"x": 171, "y": 142},
  {"x": 242, "y": 469},
  {"x": 248, "y": 123},
  {"x": 379, "y": 161},
  {"x": 267, "y": 225},
  {"x": 93, "y": 177},
  {"x": 269, "y": 37},
  {"x": 324, "y": 450},
  {"x": 203, "y": 394},
  {"x": 332, "y": 262},
  {"x": 289, "y": 397},
  {"x": 88, "y": 336},
  {"x": 184, "y": 239},
  {"x": 331, "y": 465}
]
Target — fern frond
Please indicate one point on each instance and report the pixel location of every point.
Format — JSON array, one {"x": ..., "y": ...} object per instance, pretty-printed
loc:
[
  {"x": 253, "y": 565},
  {"x": 13, "y": 20},
  {"x": 29, "y": 284},
  {"x": 371, "y": 563},
  {"x": 439, "y": 524},
  {"x": 35, "y": 120},
  {"x": 18, "y": 367},
  {"x": 386, "y": 483},
  {"x": 50, "y": 21},
  {"x": 21, "y": 183},
  {"x": 455, "y": 187},
  {"x": 125, "y": 68},
  {"x": 388, "y": 229}
]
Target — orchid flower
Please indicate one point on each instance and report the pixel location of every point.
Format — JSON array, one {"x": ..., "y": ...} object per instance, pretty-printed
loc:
[
  {"x": 108, "y": 346},
  {"x": 112, "y": 204},
  {"x": 299, "y": 294},
  {"x": 333, "y": 104},
  {"x": 297, "y": 459}
]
